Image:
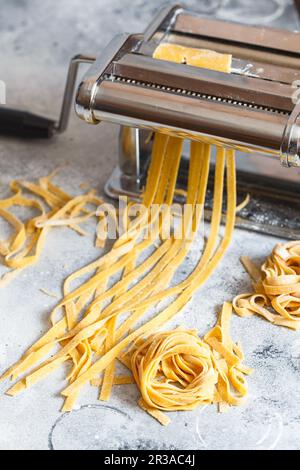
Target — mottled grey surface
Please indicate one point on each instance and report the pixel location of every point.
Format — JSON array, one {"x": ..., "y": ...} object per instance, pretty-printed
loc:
[{"x": 37, "y": 39}]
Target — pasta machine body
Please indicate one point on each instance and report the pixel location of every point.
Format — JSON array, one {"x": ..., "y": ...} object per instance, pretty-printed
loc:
[{"x": 254, "y": 109}]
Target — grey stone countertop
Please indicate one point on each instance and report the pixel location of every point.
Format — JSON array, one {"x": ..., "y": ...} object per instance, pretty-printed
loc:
[{"x": 37, "y": 40}]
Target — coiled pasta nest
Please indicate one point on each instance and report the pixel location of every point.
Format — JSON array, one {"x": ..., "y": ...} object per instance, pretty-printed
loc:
[{"x": 175, "y": 371}]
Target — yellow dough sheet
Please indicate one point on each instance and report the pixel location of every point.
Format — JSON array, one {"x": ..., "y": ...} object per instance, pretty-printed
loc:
[{"x": 196, "y": 57}]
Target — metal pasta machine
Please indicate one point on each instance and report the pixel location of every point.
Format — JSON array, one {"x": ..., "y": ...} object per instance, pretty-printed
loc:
[{"x": 254, "y": 109}]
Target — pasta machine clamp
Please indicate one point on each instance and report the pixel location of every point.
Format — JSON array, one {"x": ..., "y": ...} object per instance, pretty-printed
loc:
[{"x": 290, "y": 149}]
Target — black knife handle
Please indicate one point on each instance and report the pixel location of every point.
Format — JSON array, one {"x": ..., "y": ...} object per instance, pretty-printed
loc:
[{"x": 24, "y": 124}]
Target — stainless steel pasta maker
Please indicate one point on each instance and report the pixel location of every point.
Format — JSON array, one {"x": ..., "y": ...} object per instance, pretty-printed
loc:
[{"x": 255, "y": 109}]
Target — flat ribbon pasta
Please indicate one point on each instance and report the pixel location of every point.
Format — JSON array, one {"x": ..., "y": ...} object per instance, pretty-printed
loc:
[
  {"x": 55, "y": 208},
  {"x": 105, "y": 314},
  {"x": 277, "y": 288}
]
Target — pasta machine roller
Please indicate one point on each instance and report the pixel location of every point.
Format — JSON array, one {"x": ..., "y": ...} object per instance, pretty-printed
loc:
[{"x": 255, "y": 109}]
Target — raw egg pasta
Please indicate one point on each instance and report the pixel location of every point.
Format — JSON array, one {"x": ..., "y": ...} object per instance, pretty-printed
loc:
[
  {"x": 277, "y": 287},
  {"x": 55, "y": 208},
  {"x": 176, "y": 370},
  {"x": 105, "y": 318}
]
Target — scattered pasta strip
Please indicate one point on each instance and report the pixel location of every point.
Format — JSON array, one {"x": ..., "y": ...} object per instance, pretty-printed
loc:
[
  {"x": 55, "y": 207},
  {"x": 47, "y": 292},
  {"x": 251, "y": 268},
  {"x": 243, "y": 204},
  {"x": 161, "y": 417},
  {"x": 277, "y": 288},
  {"x": 8, "y": 277}
]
